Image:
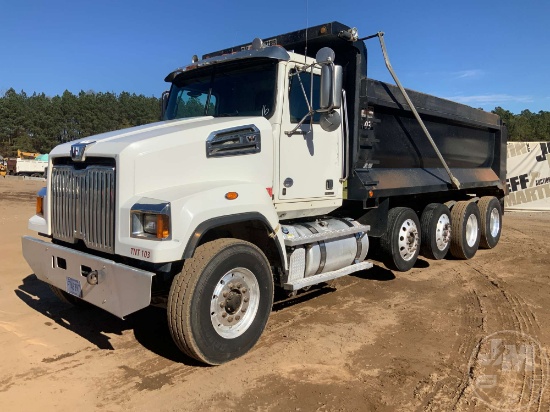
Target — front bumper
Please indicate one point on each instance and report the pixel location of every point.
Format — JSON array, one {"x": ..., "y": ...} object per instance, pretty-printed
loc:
[{"x": 120, "y": 289}]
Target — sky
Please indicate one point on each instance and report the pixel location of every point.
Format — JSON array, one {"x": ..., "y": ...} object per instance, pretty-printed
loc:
[{"x": 483, "y": 53}]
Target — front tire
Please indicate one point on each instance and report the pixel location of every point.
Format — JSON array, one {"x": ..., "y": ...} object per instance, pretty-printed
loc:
[
  {"x": 219, "y": 303},
  {"x": 401, "y": 241},
  {"x": 465, "y": 229},
  {"x": 68, "y": 298},
  {"x": 491, "y": 221}
]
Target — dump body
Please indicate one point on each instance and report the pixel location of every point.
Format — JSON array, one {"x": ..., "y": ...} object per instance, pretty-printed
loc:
[
  {"x": 26, "y": 167},
  {"x": 393, "y": 156}
]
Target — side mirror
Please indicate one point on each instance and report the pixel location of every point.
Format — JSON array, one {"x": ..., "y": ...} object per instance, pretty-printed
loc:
[
  {"x": 331, "y": 81},
  {"x": 330, "y": 121},
  {"x": 164, "y": 103}
]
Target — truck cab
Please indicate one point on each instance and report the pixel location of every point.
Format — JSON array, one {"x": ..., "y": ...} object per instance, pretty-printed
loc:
[{"x": 304, "y": 164}]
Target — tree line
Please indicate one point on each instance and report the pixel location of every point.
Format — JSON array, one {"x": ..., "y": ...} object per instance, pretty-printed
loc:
[
  {"x": 526, "y": 126},
  {"x": 38, "y": 122}
]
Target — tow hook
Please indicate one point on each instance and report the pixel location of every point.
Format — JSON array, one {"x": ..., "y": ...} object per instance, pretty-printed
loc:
[{"x": 92, "y": 277}]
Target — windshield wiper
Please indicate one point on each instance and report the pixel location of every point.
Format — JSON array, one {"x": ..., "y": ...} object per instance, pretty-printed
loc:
[
  {"x": 207, "y": 105},
  {"x": 235, "y": 113}
]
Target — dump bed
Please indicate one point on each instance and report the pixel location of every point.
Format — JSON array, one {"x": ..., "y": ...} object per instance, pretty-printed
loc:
[
  {"x": 393, "y": 157},
  {"x": 26, "y": 166}
]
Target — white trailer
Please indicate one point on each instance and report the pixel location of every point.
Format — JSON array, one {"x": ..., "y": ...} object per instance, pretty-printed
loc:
[{"x": 27, "y": 167}]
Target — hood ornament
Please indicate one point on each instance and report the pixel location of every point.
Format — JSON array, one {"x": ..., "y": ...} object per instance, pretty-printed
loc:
[{"x": 78, "y": 151}]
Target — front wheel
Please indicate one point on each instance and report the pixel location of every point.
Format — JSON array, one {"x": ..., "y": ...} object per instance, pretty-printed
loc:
[
  {"x": 219, "y": 303},
  {"x": 401, "y": 241},
  {"x": 68, "y": 298}
]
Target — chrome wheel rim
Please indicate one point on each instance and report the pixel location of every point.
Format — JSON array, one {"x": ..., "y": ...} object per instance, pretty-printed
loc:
[
  {"x": 443, "y": 232},
  {"x": 408, "y": 240},
  {"x": 234, "y": 303},
  {"x": 494, "y": 222},
  {"x": 471, "y": 230}
]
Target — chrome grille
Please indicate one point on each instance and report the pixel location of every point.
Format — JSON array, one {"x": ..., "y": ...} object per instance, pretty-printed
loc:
[{"x": 83, "y": 205}]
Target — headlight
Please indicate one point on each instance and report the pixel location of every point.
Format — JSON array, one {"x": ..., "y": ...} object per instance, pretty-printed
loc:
[{"x": 150, "y": 221}]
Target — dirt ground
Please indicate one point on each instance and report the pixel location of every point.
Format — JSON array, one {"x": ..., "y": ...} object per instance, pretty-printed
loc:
[{"x": 447, "y": 335}]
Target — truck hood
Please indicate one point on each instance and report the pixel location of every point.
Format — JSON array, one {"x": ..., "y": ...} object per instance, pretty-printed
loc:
[
  {"x": 112, "y": 144},
  {"x": 172, "y": 154}
]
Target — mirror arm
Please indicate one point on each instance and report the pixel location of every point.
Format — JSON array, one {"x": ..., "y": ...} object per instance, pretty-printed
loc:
[
  {"x": 312, "y": 111},
  {"x": 300, "y": 123},
  {"x": 305, "y": 94}
]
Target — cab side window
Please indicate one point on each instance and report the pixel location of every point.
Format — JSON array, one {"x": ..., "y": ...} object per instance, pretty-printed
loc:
[{"x": 297, "y": 100}]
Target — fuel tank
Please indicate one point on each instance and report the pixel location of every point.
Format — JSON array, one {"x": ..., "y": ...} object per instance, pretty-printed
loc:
[{"x": 334, "y": 253}]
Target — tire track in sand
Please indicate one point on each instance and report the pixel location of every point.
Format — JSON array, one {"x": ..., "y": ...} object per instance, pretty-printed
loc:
[{"x": 489, "y": 306}]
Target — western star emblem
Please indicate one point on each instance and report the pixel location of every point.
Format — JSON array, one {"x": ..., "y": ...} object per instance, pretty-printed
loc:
[{"x": 78, "y": 151}]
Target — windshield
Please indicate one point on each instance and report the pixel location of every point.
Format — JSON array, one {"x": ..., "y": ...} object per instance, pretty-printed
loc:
[{"x": 230, "y": 89}]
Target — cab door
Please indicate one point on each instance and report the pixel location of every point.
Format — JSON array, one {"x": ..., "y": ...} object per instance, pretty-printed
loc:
[{"x": 310, "y": 160}]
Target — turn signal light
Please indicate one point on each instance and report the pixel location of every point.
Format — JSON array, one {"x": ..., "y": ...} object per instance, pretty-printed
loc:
[
  {"x": 163, "y": 226},
  {"x": 39, "y": 205},
  {"x": 231, "y": 195}
]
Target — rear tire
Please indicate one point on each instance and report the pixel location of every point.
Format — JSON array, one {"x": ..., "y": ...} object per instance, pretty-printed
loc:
[
  {"x": 465, "y": 229},
  {"x": 401, "y": 241},
  {"x": 219, "y": 303},
  {"x": 435, "y": 224},
  {"x": 490, "y": 211}
]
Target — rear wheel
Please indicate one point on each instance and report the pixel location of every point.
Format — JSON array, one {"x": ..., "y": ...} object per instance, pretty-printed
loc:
[
  {"x": 435, "y": 224},
  {"x": 219, "y": 303},
  {"x": 465, "y": 229},
  {"x": 401, "y": 241},
  {"x": 491, "y": 221}
]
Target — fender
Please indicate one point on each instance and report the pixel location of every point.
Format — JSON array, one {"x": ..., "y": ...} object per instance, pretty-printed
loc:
[
  {"x": 196, "y": 208},
  {"x": 252, "y": 204},
  {"x": 224, "y": 220}
]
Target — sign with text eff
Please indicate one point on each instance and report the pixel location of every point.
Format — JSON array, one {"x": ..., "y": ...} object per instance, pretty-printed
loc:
[{"x": 528, "y": 176}]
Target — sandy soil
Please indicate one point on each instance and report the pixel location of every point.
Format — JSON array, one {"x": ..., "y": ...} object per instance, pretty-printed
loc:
[{"x": 379, "y": 340}]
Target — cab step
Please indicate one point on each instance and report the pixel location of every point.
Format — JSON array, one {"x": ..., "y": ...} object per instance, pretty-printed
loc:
[{"x": 293, "y": 285}]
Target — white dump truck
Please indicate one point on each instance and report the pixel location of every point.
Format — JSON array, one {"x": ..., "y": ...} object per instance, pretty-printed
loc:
[
  {"x": 27, "y": 167},
  {"x": 274, "y": 163}
]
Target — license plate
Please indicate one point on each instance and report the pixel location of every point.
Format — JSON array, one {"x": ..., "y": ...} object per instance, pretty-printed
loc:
[{"x": 74, "y": 287}]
